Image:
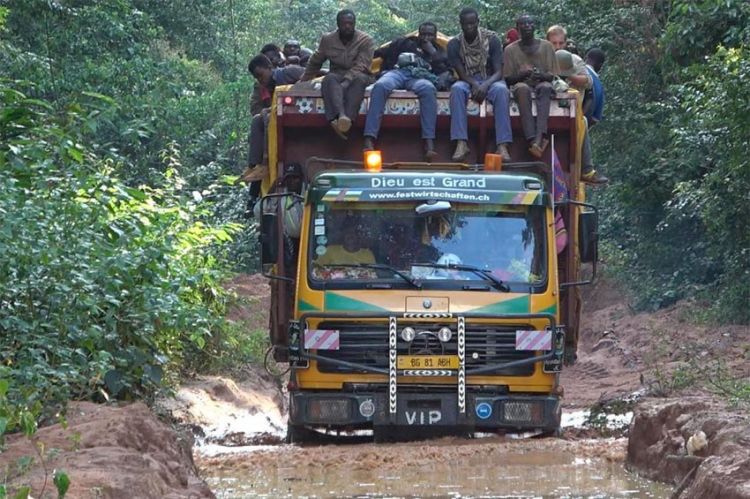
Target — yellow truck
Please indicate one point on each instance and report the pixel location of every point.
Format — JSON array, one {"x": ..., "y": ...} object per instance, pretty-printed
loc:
[{"x": 424, "y": 298}]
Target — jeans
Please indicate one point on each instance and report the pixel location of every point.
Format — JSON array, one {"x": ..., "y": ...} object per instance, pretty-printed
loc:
[
  {"x": 398, "y": 79},
  {"x": 258, "y": 139},
  {"x": 587, "y": 161},
  {"x": 497, "y": 95},
  {"x": 339, "y": 102}
]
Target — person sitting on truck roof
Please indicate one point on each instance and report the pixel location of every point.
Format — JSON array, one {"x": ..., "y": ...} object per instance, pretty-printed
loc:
[
  {"x": 477, "y": 56},
  {"x": 267, "y": 77},
  {"x": 578, "y": 77},
  {"x": 350, "y": 53},
  {"x": 573, "y": 69},
  {"x": 291, "y": 51},
  {"x": 593, "y": 103},
  {"x": 294, "y": 53},
  {"x": 510, "y": 36},
  {"x": 273, "y": 52},
  {"x": 405, "y": 71},
  {"x": 530, "y": 64}
]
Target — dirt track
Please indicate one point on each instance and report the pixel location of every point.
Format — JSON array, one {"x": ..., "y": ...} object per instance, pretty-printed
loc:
[
  {"x": 617, "y": 353},
  {"x": 127, "y": 452}
]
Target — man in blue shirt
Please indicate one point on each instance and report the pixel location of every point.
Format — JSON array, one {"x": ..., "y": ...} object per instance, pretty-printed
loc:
[
  {"x": 594, "y": 102},
  {"x": 477, "y": 56}
]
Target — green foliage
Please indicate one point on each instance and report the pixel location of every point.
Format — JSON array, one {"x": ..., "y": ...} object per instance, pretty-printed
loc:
[
  {"x": 713, "y": 376},
  {"x": 106, "y": 289},
  {"x": 697, "y": 28},
  {"x": 62, "y": 483},
  {"x": 117, "y": 167}
]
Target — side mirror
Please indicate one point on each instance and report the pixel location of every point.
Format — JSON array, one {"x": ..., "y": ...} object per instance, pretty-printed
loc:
[
  {"x": 588, "y": 236},
  {"x": 588, "y": 239}
]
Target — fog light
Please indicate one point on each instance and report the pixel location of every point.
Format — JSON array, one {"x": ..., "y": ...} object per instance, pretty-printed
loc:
[
  {"x": 408, "y": 334},
  {"x": 367, "y": 408},
  {"x": 329, "y": 410},
  {"x": 445, "y": 334}
]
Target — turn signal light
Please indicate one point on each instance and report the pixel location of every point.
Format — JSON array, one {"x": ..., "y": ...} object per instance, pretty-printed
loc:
[
  {"x": 373, "y": 161},
  {"x": 493, "y": 162}
]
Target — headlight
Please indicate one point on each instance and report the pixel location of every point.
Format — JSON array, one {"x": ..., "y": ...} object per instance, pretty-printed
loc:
[
  {"x": 408, "y": 334},
  {"x": 445, "y": 334}
]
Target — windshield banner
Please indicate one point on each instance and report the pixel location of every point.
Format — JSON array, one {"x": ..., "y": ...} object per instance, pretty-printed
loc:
[{"x": 484, "y": 189}]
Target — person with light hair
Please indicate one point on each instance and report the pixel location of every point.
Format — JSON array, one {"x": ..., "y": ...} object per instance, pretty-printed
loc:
[
  {"x": 573, "y": 70},
  {"x": 557, "y": 36}
]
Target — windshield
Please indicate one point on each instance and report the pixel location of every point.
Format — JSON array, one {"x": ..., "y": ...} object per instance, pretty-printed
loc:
[{"x": 361, "y": 243}]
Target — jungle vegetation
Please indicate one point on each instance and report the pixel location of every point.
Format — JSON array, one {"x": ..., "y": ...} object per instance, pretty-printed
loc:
[{"x": 123, "y": 124}]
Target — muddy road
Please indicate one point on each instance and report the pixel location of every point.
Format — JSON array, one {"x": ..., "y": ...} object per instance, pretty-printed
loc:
[
  {"x": 487, "y": 467},
  {"x": 625, "y": 423},
  {"x": 615, "y": 354}
]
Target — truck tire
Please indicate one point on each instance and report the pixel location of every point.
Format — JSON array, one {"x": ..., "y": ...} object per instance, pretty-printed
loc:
[
  {"x": 553, "y": 433},
  {"x": 386, "y": 435},
  {"x": 299, "y": 434}
]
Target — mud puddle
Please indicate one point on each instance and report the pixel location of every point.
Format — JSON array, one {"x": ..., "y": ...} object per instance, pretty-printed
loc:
[{"x": 494, "y": 467}]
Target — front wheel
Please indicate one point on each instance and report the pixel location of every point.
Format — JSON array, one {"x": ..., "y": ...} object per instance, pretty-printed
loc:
[{"x": 299, "y": 434}]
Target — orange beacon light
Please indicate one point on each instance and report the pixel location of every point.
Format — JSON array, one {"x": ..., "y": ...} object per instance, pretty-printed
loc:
[{"x": 373, "y": 161}]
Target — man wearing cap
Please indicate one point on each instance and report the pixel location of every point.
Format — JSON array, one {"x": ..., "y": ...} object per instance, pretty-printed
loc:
[
  {"x": 409, "y": 63},
  {"x": 477, "y": 56},
  {"x": 350, "y": 54},
  {"x": 530, "y": 64},
  {"x": 574, "y": 71},
  {"x": 266, "y": 79}
]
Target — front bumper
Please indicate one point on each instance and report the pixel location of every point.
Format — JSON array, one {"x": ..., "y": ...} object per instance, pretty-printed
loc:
[{"x": 336, "y": 410}]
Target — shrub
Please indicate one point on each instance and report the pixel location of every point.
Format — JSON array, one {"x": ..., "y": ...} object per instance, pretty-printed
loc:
[{"x": 105, "y": 289}]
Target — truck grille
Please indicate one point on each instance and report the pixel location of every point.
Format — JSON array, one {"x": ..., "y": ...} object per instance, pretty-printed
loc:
[{"x": 367, "y": 344}]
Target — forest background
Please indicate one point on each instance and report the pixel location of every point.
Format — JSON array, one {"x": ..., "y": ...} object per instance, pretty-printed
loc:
[{"x": 123, "y": 125}]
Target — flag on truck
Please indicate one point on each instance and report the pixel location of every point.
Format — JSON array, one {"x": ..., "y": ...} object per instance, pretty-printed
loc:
[
  {"x": 559, "y": 193},
  {"x": 559, "y": 179}
]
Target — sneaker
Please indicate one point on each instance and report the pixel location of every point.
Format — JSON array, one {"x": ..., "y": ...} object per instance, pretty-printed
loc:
[
  {"x": 462, "y": 151},
  {"x": 502, "y": 150},
  {"x": 537, "y": 150},
  {"x": 337, "y": 131},
  {"x": 430, "y": 154},
  {"x": 368, "y": 144},
  {"x": 254, "y": 174},
  {"x": 344, "y": 124},
  {"x": 594, "y": 178}
]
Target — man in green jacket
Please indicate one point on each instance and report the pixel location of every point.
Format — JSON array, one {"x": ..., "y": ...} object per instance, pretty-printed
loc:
[{"x": 350, "y": 53}]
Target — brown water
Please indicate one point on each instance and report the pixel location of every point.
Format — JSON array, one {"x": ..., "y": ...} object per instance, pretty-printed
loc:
[{"x": 504, "y": 469}]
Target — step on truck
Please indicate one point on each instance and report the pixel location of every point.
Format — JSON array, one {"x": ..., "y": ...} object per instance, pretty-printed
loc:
[{"x": 435, "y": 297}]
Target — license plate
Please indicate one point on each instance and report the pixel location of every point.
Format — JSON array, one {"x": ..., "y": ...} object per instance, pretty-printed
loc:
[
  {"x": 423, "y": 417},
  {"x": 427, "y": 362}
]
